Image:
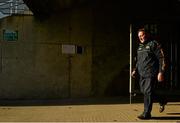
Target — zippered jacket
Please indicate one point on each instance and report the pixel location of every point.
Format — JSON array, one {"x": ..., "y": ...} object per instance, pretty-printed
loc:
[{"x": 150, "y": 59}]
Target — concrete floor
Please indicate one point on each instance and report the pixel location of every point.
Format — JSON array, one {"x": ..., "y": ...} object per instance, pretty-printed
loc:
[{"x": 84, "y": 111}]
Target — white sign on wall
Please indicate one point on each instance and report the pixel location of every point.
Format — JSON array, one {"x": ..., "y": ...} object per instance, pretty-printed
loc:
[{"x": 68, "y": 49}]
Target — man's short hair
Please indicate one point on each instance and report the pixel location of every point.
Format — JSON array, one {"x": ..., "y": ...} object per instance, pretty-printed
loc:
[
  {"x": 146, "y": 31},
  {"x": 142, "y": 30}
]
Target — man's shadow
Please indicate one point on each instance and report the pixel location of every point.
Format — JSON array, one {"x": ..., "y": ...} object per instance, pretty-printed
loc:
[{"x": 176, "y": 116}]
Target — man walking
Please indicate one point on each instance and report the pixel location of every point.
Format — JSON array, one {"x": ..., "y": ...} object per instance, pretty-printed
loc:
[{"x": 151, "y": 67}]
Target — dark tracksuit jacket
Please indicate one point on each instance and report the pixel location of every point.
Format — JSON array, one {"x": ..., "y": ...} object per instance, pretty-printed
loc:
[{"x": 150, "y": 59}]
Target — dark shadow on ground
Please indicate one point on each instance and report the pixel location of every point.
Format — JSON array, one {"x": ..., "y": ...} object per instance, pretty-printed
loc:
[
  {"x": 173, "y": 113},
  {"x": 74, "y": 101},
  {"x": 166, "y": 118},
  {"x": 77, "y": 101},
  {"x": 174, "y": 104}
]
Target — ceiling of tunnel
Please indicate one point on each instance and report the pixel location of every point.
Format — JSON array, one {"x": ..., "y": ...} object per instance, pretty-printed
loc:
[{"x": 48, "y": 7}]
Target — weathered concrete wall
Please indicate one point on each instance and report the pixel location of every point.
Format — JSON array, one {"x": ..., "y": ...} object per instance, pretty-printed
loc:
[
  {"x": 34, "y": 67},
  {"x": 110, "y": 50}
]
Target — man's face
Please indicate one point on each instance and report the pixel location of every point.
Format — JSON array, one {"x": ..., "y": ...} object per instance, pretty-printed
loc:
[{"x": 142, "y": 36}]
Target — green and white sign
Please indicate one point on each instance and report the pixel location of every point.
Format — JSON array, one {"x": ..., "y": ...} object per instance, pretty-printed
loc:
[{"x": 10, "y": 35}]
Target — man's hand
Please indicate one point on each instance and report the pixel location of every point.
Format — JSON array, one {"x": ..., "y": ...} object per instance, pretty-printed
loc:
[
  {"x": 160, "y": 77},
  {"x": 133, "y": 74}
]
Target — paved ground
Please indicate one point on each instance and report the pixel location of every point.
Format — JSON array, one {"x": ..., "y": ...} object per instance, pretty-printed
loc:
[{"x": 103, "y": 110}]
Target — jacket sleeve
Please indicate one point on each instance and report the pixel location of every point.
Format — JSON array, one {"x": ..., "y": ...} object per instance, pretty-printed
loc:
[
  {"x": 158, "y": 51},
  {"x": 134, "y": 68}
]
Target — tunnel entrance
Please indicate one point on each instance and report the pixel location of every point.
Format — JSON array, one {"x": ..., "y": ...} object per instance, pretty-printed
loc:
[{"x": 167, "y": 33}]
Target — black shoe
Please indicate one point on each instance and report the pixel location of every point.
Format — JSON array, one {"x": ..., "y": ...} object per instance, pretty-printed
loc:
[
  {"x": 161, "y": 108},
  {"x": 144, "y": 117}
]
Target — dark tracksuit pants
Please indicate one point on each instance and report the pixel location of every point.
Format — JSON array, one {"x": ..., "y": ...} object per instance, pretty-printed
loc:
[{"x": 147, "y": 87}]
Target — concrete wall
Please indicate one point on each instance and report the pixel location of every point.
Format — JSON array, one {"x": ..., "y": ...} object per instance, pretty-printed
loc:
[
  {"x": 110, "y": 50},
  {"x": 34, "y": 67}
]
